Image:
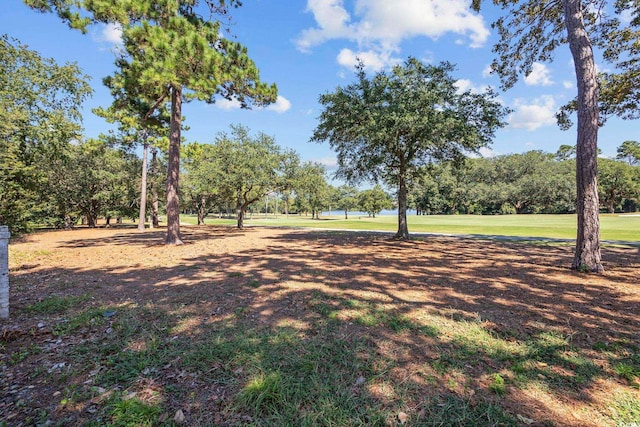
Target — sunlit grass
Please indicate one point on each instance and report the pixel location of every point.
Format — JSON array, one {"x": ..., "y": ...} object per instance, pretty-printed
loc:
[
  {"x": 339, "y": 374},
  {"x": 613, "y": 227}
]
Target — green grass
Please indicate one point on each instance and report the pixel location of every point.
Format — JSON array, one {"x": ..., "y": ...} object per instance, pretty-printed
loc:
[
  {"x": 498, "y": 385},
  {"x": 613, "y": 227},
  {"x": 272, "y": 375},
  {"x": 132, "y": 412},
  {"x": 56, "y": 304},
  {"x": 625, "y": 410}
]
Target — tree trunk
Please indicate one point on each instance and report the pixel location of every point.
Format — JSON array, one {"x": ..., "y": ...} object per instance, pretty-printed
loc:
[
  {"x": 92, "y": 215},
  {"x": 154, "y": 223},
  {"x": 346, "y": 215},
  {"x": 240, "y": 211},
  {"x": 587, "y": 255},
  {"x": 4, "y": 271},
  {"x": 202, "y": 208},
  {"x": 403, "y": 229},
  {"x": 173, "y": 170},
  {"x": 143, "y": 185}
]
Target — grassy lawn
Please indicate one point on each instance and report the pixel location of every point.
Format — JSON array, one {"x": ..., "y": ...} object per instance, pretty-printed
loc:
[{"x": 613, "y": 227}]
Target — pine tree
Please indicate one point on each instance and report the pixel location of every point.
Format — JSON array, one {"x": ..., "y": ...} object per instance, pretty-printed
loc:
[{"x": 175, "y": 54}]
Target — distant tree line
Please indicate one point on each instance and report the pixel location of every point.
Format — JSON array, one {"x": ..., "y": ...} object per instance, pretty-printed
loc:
[{"x": 531, "y": 182}]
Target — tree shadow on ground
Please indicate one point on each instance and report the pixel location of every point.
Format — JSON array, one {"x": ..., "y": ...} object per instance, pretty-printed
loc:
[{"x": 298, "y": 325}]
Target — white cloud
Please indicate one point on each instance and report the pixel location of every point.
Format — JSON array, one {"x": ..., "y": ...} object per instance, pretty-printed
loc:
[
  {"x": 109, "y": 33},
  {"x": 485, "y": 152},
  {"x": 332, "y": 20},
  {"x": 464, "y": 85},
  {"x": 488, "y": 152},
  {"x": 379, "y": 26},
  {"x": 533, "y": 115},
  {"x": 487, "y": 71},
  {"x": 373, "y": 61},
  {"x": 568, "y": 84},
  {"x": 226, "y": 104},
  {"x": 281, "y": 105},
  {"x": 331, "y": 163},
  {"x": 540, "y": 75}
]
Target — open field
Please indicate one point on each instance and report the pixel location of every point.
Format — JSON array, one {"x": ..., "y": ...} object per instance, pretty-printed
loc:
[
  {"x": 276, "y": 326},
  {"x": 613, "y": 227}
]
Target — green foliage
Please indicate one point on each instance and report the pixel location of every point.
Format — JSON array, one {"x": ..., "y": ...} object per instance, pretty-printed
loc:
[
  {"x": 531, "y": 182},
  {"x": 345, "y": 198},
  {"x": 262, "y": 393},
  {"x": 617, "y": 181},
  {"x": 566, "y": 152},
  {"x": 389, "y": 126},
  {"x": 374, "y": 200},
  {"x": 86, "y": 318},
  {"x": 170, "y": 54},
  {"x": 627, "y": 371},
  {"x": 626, "y": 409},
  {"x": 39, "y": 114},
  {"x": 452, "y": 411},
  {"x": 312, "y": 192},
  {"x": 619, "y": 88},
  {"x": 93, "y": 180},
  {"x": 237, "y": 170},
  {"x": 629, "y": 151},
  {"x": 200, "y": 184},
  {"x": 24, "y": 353}
]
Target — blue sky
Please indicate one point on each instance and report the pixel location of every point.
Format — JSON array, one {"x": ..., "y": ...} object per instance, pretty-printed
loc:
[{"x": 309, "y": 48}]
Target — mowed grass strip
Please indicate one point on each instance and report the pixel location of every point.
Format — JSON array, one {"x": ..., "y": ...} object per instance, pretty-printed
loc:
[{"x": 613, "y": 226}]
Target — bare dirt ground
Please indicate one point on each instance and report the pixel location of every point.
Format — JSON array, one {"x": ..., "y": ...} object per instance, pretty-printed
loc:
[{"x": 513, "y": 290}]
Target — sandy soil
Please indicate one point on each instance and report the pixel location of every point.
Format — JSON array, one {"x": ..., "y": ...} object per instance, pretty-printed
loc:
[{"x": 517, "y": 289}]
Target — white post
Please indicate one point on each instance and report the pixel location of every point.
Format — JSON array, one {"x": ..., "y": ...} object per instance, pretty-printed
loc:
[{"x": 4, "y": 272}]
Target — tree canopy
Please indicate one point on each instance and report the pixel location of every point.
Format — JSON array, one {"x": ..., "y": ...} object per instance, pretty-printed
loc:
[
  {"x": 387, "y": 127},
  {"x": 629, "y": 151},
  {"x": 239, "y": 168},
  {"x": 39, "y": 117},
  {"x": 172, "y": 53}
]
